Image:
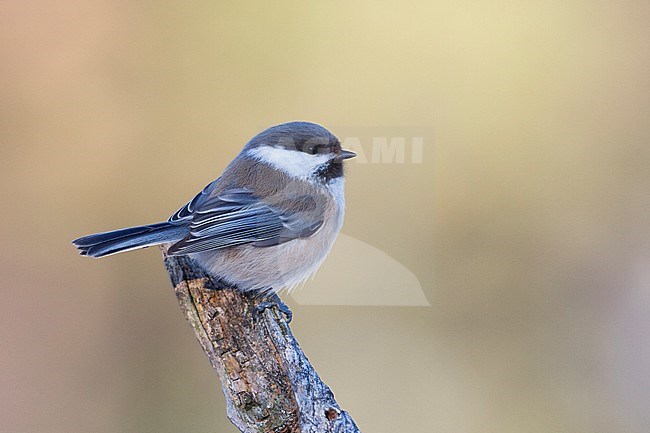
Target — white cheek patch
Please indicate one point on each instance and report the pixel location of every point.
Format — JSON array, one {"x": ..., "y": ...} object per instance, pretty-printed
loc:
[{"x": 294, "y": 163}]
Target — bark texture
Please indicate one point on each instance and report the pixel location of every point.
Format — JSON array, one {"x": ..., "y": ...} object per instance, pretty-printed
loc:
[{"x": 269, "y": 384}]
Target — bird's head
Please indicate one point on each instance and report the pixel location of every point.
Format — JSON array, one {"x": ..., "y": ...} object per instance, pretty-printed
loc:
[{"x": 300, "y": 149}]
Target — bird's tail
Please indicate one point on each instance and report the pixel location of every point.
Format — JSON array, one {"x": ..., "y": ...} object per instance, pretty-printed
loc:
[{"x": 118, "y": 241}]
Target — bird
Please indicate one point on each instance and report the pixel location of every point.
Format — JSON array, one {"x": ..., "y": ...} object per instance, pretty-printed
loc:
[{"x": 266, "y": 224}]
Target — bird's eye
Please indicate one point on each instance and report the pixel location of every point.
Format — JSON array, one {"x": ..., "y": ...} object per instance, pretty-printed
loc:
[{"x": 316, "y": 147}]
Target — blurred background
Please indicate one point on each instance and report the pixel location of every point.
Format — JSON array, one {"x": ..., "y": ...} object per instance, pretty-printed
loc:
[{"x": 525, "y": 222}]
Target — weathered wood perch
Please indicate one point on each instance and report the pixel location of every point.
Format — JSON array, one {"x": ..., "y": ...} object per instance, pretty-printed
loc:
[{"x": 269, "y": 384}]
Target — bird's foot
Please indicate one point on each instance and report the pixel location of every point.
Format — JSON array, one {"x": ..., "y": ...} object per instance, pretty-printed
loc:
[{"x": 271, "y": 301}]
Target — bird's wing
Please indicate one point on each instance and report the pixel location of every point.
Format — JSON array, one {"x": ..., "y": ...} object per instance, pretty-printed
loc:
[
  {"x": 237, "y": 217},
  {"x": 187, "y": 210}
]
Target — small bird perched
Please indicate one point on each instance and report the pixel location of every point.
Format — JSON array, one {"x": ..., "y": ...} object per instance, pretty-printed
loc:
[{"x": 266, "y": 224}]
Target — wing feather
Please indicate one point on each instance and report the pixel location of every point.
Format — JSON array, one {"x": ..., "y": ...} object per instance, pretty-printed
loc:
[{"x": 237, "y": 217}]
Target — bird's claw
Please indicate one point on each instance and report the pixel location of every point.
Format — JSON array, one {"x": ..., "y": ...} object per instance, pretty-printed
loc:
[{"x": 270, "y": 302}]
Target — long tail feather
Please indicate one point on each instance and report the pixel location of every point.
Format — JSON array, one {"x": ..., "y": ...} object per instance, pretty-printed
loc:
[{"x": 118, "y": 241}]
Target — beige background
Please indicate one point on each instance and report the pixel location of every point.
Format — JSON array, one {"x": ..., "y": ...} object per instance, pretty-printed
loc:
[{"x": 526, "y": 224}]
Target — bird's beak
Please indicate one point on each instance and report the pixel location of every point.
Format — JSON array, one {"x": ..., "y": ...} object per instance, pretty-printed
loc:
[{"x": 344, "y": 154}]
